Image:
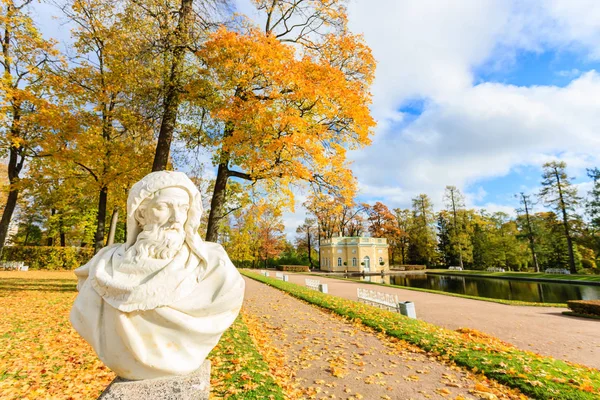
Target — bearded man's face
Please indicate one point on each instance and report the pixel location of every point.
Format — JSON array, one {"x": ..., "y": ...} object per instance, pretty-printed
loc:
[{"x": 162, "y": 219}]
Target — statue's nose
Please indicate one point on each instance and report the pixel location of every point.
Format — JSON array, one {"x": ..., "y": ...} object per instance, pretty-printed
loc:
[{"x": 176, "y": 216}]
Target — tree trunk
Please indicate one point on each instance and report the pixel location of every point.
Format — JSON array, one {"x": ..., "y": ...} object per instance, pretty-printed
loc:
[
  {"x": 403, "y": 254},
  {"x": 309, "y": 247},
  {"x": 423, "y": 211},
  {"x": 319, "y": 241},
  {"x": 530, "y": 235},
  {"x": 14, "y": 168},
  {"x": 9, "y": 208},
  {"x": 460, "y": 260},
  {"x": 50, "y": 240},
  {"x": 216, "y": 204},
  {"x": 101, "y": 219},
  {"x": 173, "y": 90},
  {"x": 563, "y": 208},
  {"x": 113, "y": 226},
  {"x": 27, "y": 235},
  {"x": 61, "y": 227},
  {"x": 572, "y": 267}
]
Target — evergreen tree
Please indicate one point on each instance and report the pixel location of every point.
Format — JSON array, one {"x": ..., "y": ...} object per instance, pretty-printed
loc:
[
  {"x": 559, "y": 194},
  {"x": 422, "y": 233},
  {"x": 404, "y": 221},
  {"x": 593, "y": 201},
  {"x": 444, "y": 245}
]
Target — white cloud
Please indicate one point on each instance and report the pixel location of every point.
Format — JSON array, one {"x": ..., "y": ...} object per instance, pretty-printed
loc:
[
  {"x": 483, "y": 132},
  {"x": 469, "y": 132}
]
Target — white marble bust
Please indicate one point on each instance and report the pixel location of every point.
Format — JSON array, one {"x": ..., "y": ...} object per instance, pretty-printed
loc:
[{"x": 158, "y": 304}]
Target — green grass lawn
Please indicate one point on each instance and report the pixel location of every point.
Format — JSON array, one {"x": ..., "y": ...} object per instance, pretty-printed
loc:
[
  {"x": 537, "y": 376},
  {"x": 522, "y": 275}
]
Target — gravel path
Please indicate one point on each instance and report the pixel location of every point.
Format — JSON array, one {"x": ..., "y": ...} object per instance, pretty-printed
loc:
[
  {"x": 543, "y": 330},
  {"x": 328, "y": 357}
]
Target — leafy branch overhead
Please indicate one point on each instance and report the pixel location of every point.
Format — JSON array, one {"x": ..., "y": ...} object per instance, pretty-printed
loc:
[{"x": 279, "y": 114}]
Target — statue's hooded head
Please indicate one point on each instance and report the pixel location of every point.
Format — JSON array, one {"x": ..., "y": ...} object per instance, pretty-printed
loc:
[{"x": 150, "y": 186}]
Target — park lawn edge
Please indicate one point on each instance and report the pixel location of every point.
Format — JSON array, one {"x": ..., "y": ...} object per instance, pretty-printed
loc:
[
  {"x": 528, "y": 276},
  {"x": 239, "y": 371},
  {"x": 464, "y": 296},
  {"x": 540, "y": 377}
]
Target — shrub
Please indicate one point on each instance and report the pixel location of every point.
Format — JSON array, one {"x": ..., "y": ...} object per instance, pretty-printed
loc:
[
  {"x": 590, "y": 264},
  {"x": 247, "y": 264},
  {"x": 293, "y": 268},
  {"x": 409, "y": 267},
  {"x": 49, "y": 257},
  {"x": 288, "y": 260},
  {"x": 590, "y": 307}
]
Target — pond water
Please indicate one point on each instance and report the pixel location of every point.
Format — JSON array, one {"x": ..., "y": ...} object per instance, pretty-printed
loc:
[{"x": 493, "y": 287}]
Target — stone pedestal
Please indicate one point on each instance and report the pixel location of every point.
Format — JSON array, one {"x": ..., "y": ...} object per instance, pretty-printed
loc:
[{"x": 195, "y": 386}]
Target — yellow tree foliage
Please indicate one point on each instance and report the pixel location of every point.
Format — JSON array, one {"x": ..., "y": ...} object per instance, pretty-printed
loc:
[
  {"x": 28, "y": 110},
  {"x": 282, "y": 113},
  {"x": 114, "y": 142},
  {"x": 255, "y": 234}
]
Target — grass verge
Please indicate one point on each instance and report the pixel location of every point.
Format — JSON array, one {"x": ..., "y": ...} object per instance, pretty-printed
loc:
[
  {"x": 464, "y": 296},
  {"x": 537, "y": 376},
  {"x": 534, "y": 276},
  {"x": 238, "y": 369}
]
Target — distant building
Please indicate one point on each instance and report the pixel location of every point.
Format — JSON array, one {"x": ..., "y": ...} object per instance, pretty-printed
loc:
[{"x": 354, "y": 254}]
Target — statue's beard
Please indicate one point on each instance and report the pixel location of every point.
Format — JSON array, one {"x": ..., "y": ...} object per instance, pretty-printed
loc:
[{"x": 158, "y": 242}]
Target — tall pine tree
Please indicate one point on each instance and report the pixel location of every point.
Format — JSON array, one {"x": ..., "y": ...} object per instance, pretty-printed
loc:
[{"x": 559, "y": 194}]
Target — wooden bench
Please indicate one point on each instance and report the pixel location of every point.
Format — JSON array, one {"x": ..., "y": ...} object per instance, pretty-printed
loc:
[{"x": 455, "y": 268}]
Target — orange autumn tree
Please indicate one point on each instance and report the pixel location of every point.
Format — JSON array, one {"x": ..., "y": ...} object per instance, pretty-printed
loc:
[
  {"x": 335, "y": 214},
  {"x": 382, "y": 223},
  {"x": 280, "y": 114},
  {"x": 271, "y": 239}
]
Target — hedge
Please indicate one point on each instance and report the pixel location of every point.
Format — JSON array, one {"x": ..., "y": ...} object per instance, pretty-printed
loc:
[
  {"x": 293, "y": 268},
  {"x": 408, "y": 267},
  {"x": 589, "y": 307},
  {"x": 48, "y": 257}
]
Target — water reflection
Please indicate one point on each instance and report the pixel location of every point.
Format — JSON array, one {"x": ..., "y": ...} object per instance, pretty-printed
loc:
[{"x": 493, "y": 288}]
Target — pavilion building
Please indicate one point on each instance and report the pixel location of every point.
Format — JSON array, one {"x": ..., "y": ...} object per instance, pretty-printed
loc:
[{"x": 354, "y": 254}]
